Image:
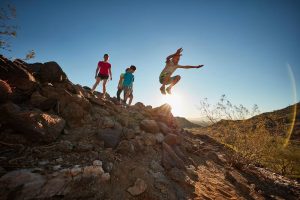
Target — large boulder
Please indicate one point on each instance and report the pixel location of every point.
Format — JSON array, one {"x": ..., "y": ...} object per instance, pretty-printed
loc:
[
  {"x": 18, "y": 76},
  {"x": 111, "y": 137},
  {"x": 170, "y": 159},
  {"x": 164, "y": 128},
  {"x": 51, "y": 72},
  {"x": 34, "y": 124},
  {"x": 163, "y": 114},
  {"x": 149, "y": 125},
  {"x": 138, "y": 188},
  {"x": 172, "y": 139},
  {"x": 29, "y": 183}
]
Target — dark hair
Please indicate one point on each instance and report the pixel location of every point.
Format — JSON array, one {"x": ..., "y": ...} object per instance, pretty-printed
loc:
[
  {"x": 133, "y": 67},
  {"x": 105, "y": 55}
]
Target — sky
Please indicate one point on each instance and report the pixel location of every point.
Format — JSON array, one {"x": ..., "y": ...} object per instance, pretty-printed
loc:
[{"x": 250, "y": 49}]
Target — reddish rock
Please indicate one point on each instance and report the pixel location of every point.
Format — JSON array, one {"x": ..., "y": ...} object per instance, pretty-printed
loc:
[
  {"x": 149, "y": 126},
  {"x": 172, "y": 139}
]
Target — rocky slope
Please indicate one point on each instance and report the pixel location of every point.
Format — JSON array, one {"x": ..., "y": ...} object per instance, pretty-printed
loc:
[{"x": 58, "y": 141}]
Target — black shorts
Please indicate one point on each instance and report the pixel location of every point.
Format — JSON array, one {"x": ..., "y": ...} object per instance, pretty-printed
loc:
[{"x": 102, "y": 76}]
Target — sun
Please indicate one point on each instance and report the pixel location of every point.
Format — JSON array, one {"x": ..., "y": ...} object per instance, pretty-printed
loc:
[{"x": 175, "y": 101}]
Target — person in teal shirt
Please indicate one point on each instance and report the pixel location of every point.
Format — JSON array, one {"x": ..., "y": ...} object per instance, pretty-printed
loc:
[{"x": 128, "y": 83}]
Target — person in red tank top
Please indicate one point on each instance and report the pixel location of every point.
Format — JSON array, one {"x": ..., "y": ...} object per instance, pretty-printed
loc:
[{"x": 104, "y": 69}]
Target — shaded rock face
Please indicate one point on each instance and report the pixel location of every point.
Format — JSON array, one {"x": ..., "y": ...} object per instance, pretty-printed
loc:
[
  {"x": 34, "y": 124},
  {"x": 15, "y": 73},
  {"x": 51, "y": 72},
  {"x": 5, "y": 91},
  {"x": 110, "y": 137}
]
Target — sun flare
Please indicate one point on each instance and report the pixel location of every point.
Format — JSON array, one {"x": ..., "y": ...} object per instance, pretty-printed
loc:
[{"x": 175, "y": 101}]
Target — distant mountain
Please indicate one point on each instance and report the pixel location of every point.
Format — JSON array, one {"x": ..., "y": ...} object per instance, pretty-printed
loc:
[{"x": 184, "y": 123}]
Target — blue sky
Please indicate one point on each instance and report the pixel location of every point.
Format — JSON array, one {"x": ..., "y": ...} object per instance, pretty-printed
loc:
[{"x": 245, "y": 46}]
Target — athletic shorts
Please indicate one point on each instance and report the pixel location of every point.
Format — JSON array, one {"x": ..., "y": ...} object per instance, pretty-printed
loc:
[
  {"x": 171, "y": 79},
  {"x": 103, "y": 76},
  {"x": 127, "y": 90}
]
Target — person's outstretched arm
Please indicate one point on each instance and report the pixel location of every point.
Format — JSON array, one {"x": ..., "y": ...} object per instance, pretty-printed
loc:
[
  {"x": 178, "y": 52},
  {"x": 188, "y": 66}
]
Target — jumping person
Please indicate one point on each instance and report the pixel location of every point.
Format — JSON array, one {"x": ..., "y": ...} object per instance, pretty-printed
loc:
[
  {"x": 171, "y": 65},
  {"x": 104, "y": 69}
]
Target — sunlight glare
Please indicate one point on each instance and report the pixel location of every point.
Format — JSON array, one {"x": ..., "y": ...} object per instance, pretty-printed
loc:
[{"x": 175, "y": 101}]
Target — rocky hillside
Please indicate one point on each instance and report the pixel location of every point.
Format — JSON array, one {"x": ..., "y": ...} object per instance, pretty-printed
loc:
[
  {"x": 59, "y": 141},
  {"x": 278, "y": 122},
  {"x": 184, "y": 123}
]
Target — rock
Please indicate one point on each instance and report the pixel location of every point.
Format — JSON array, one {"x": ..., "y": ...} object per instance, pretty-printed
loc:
[
  {"x": 59, "y": 160},
  {"x": 159, "y": 137},
  {"x": 192, "y": 172},
  {"x": 105, "y": 177},
  {"x": 92, "y": 171},
  {"x": 129, "y": 133},
  {"x": 17, "y": 74},
  {"x": 76, "y": 171},
  {"x": 53, "y": 187},
  {"x": 149, "y": 139},
  {"x": 125, "y": 147},
  {"x": 97, "y": 163},
  {"x": 108, "y": 166},
  {"x": 170, "y": 158},
  {"x": 111, "y": 137},
  {"x": 172, "y": 139},
  {"x": 74, "y": 114},
  {"x": 56, "y": 167},
  {"x": 17, "y": 178},
  {"x": 43, "y": 162},
  {"x": 36, "y": 99},
  {"x": 163, "y": 114},
  {"x": 38, "y": 126},
  {"x": 138, "y": 188},
  {"x": 84, "y": 147},
  {"x": 149, "y": 126},
  {"x": 5, "y": 91},
  {"x": 108, "y": 123},
  {"x": 164, "y": 128},
  {"x": 51, "y": 72},
  {"x": 180, "y": 176},
  {"x": 31, "y": 189},
  {"x": 155, "y": 166}
]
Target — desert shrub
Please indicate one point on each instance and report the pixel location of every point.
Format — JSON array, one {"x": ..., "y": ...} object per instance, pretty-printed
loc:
[{"x": 259, "y": 141}]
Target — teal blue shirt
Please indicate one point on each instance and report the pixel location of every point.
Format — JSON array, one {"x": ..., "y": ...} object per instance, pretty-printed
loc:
[{"x": 128, "y": 79}]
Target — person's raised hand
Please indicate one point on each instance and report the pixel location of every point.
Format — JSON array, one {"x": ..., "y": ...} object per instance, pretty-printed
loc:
[{"x": 178, "y": 52}]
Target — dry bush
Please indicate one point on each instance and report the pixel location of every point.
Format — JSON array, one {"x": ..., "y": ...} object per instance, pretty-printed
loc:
[{"x": 258, "y": 142}]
